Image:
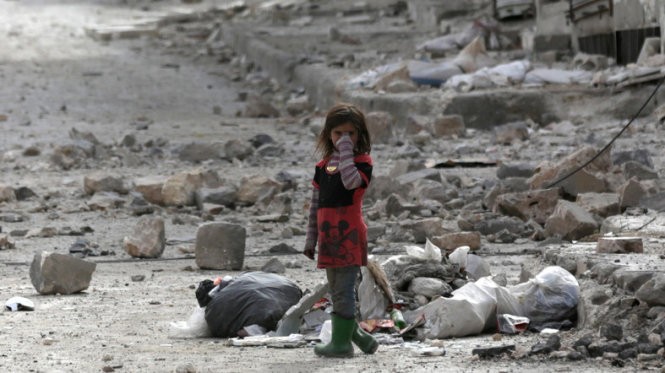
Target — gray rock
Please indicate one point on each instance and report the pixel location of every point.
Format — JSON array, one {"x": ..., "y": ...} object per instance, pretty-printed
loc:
[
  {"x": 429, "y": 287},
  {"x": 435, "y": 190},
  {"x": 417, "y": 123},
  {"x": 552, "y": 344},
  {"x": 270, "y": 150},
  {"x": 257, "y": 188},
  {"x": 508, "y": 133},
  {"x": 426, "y": 173},
  {"x": 257, "y": 107},
  {"x": 638, "y": 170},
  {"x": 380, "y": 125},
  {"x": 654, "y": 202},
  {"x": 534, "y": 204},
  {"x": 198, "y": 152},
  {"x": 237, "y": 149},
  {"x": 448, "y": 125},
  {"x": 631, "y": 193},
  {"x": 655, "y": 311},
  {"x": 179, "y": 189},
  {"x": 424, "y": 228},
  {"x": 220, "y": 246},
  {"x": 103, "y": 182},
  {"x": 23, "y": 193},
  {"x": 283, "y": 248},
  {"x": 225, "y": 196},
  {"x": 52, "y": 273},
  {"x": 375, "y": 231},
  {"x": 631, "y": 280},
  {"x": 570, "y": 222},
  {"x": 509, "y": 185},
  {"x": 496, "y": 225},
  {"x": 653, "y": 291},
  {"x": 150, "y": 187},
  {"x": 611, "y": 331},
  {"x": 261, "y": 139},
  {"x": 620, "y": 245},
  {"x": 582, "y": 181},
  {"x": 103, "y": 201},
  {"x": 148, "y": 239},
  {"x": 7, "y": 193},
  {"x": 641, "y": 156},
  {"x": 521, "y": 170},
  {"x": 274, "y": 266},
  {"x": 602, "y": 204},
  {"x": 5, "y": 243},
  {"x": 298, "y": 105},
  {"x": 451, "y": 241},
  {"x": 395, "y": 206}
]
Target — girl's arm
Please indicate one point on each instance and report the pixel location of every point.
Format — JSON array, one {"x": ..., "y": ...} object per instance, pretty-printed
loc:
[
  {"x": 347, "y": 168},
  {"x": 312, "y": 226}
]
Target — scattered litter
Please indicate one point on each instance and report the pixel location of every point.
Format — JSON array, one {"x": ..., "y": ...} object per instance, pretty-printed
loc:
[{"x": 19, "y": 304}]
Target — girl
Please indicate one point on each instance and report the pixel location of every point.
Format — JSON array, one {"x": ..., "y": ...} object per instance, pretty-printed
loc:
[{"x": 336, "y": 223}]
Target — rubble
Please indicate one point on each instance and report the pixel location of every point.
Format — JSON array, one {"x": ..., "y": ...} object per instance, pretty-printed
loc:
[
  {"x": 570, "y": 221},
  {"x": 53, "y": 273},
  {"x": 148, "y": 239},
  {"x": 220, "y": 246}
]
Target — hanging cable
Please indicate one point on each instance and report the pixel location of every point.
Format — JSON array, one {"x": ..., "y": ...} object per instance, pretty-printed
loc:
[{"x": 611, "y": 141}]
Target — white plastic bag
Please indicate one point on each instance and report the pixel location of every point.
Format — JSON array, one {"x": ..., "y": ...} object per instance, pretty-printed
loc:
[
  {"x": 550, "y": 296},
  {"x": 459, "y": 256},
  {"x": 430, "y": 253},
  {"x": 195, "y": 327},
  {"x": 326, "y": 332}
]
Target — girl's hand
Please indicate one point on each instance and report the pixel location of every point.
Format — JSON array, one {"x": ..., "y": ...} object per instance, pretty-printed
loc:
[{"x": 309, "y": 251}]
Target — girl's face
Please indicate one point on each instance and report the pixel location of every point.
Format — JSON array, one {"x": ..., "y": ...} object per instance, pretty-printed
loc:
[{"x": 338, "y": 131}]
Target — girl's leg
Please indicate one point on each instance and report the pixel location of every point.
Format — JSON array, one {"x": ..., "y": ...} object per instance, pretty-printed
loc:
[{"x": 342, "y": 283}]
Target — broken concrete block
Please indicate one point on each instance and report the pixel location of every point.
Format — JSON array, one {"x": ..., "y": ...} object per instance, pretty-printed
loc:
[
  {"x": 581, "y": 181},
  {"x": 534, "y": 204},
  {"x": 509, "y": 185},
  {"x": 512, "y": 170},
  {"x": 380, "y": 125},
  {"x": 103, "y": 182},
  {"x": 5, "y": 243},
  {"x": 225, "y": 196},
  {"x": 620, "y": 245},
  {"x": 630, "y": 194},
  {"x": 417, "y": 123},
  {"x": 448, "y": 125},
  {"x": 108, "y": 33},
  {"x": 257, "y": 188},
  {"x": 52, "y": 273},
  {"x": 150, "y": 188},
  {"x": 274, "y": 265},
  {"x": 238, "y": 149},
  {"x": 602, "y": 204},
  {"x": 570, "y": 221},
  {"x": 220, "y": 246},
  {"x": 429, "y": 287},
  {"x": 198, "y": 152},
  {"x": 148, "y": 239},
  {"x": 179, "y": 189},
  {"x": 452, "y": 241},
  {"x": 258, "y": 107},
  {"x": 7, "y": 193},
  {"x": 632, "y": 169},
  {"x": 425, "y": 228},
  {"x": 548, "y": 172},
  {"x": 506, "y": 134},
  {"x": 298, "y": 105},
  {"x": 639, "y": 155},
  {"x": 653, "y": 291},
  {"x": 103, "y": 201}
]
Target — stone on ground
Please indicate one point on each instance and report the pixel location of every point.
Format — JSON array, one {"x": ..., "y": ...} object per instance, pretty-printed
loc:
[
  {"x": 534, "y": 204},
  {"x": 452, "y": 241},
  {"x": 448, "y": 125},
  {"x": 220, "y": 246},
  {"x": 103, "y": 182},
  {"x": 570, "y": 222},
  {"x": 148, "y": 239},
  {"x": 257, "y": 188},
  {"x": 620, "y": 245},
  {"x": 274, "y": 265},
  {"x": 7, "y": 193},
  {"x": 380, "y": 125},
  {"x": 602, "y": 204},
  {"x": 631, "y": 193},
  {"x": 179, "y": 189},
  {"x": 150, "y": 188},
  {"x": 653, "y": 291},
  {"x": 429, "y": 287},
  {"x": 53, "y": 273}
]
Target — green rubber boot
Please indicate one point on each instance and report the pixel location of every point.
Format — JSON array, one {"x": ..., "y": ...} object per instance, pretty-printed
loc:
[
  {"x": 365, "y": 341},
  {"x": 340, "y": 343}
]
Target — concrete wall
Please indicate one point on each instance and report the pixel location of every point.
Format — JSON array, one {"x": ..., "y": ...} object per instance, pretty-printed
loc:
[
  {"x": 636, "y": 14},
  {"x": 427, "y": 14},
  {"x": 551, "y": 17}
]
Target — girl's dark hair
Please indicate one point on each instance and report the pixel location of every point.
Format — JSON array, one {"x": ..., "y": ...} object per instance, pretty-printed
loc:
[{"x": 338, "y": 115}]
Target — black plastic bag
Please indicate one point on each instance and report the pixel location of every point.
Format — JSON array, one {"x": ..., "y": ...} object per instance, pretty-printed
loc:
[{"x": 251, "y": 298}]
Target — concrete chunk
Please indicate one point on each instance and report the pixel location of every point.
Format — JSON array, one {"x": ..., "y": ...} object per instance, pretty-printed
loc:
[
  {"x": 630, "y": 194},
  {"x": 103, "y": 182},
  {"x": 60, "y": 274},
  {"x": 653, "y": 291},
  {"x": 179, "y": 189},
  {"x": 148, "y": 239},
  {"x": 448, "y": 125},
  {"x": 534, "y": 204},
  {"x": 7, "y": 193},
  {"x": 425, "y": 228},
  {"x": 602, "y": 204},
  {"x": 620, "y": 245},
  {"x": 257, "y": 188},
  {"x": 150, "y": 188},
  {"x": 380, "y": 125},
  {"x": 220, "y": 246},
  {"x": 452, "y": 241},
  {"x": 570, "y": 221}
]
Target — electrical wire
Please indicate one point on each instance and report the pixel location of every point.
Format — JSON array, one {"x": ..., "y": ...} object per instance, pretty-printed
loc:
[{"x": 611, "y": 141}]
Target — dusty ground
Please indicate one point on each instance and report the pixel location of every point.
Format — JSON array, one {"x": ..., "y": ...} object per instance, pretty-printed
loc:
[{"x": 54, "y": 78}]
